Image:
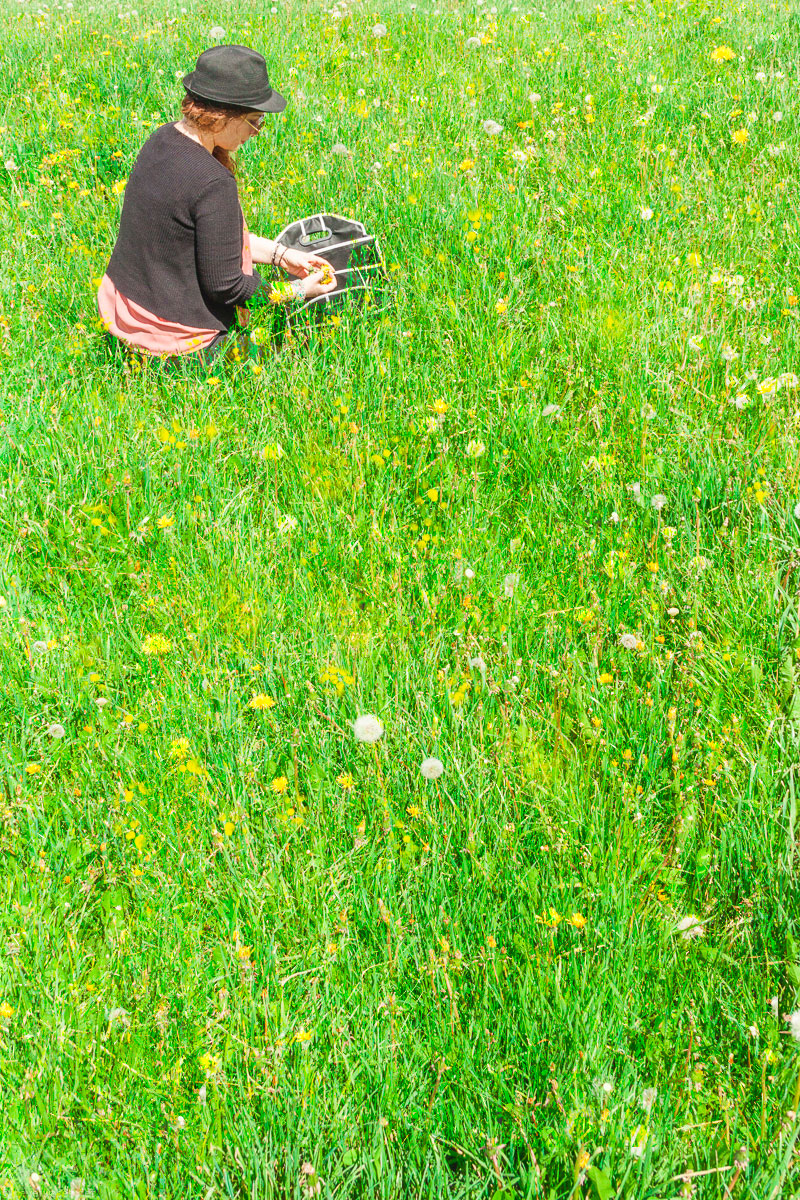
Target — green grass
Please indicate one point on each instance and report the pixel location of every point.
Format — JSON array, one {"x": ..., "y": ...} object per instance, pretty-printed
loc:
[{"x": 236, "y": 941}]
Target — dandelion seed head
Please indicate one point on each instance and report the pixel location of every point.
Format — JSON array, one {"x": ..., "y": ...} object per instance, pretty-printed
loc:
[
  {"x": 367, "y": 728},
  {"x": 432, "y": 768}
]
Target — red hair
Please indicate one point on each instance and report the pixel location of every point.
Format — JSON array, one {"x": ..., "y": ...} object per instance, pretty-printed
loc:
[{"x": 210, "y": 116}]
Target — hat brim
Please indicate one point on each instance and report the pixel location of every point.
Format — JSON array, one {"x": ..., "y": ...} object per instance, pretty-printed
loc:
[{"x": 275, "y": 104}]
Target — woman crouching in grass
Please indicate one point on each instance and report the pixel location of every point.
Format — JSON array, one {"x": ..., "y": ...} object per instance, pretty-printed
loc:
[{"x": 181, "y": 274}]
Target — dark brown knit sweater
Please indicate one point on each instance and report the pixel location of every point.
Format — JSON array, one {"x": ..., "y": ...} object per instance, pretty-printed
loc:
[{"x": 179, "y": 248}]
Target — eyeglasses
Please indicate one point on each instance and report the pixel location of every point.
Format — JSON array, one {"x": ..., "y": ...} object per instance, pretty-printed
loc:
[{"x": 255, "y": 128}]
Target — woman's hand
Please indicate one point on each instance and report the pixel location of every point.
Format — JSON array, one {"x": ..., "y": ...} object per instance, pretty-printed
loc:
[
  {"x": 298, "y": 263},
  {"x": 317, "y": 283}
]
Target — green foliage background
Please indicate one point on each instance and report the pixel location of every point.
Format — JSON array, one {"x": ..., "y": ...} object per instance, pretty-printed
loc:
[{"x": 243, "y": 954}]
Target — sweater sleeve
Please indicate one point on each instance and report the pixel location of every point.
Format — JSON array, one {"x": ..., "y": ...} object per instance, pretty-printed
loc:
[{"x": 218, "y": 245}]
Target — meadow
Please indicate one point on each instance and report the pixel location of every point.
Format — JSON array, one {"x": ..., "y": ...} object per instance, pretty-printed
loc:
[{"x": 539, "y": 520}]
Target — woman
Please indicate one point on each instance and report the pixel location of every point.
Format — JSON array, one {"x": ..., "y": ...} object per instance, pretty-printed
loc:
[{"x": 181, "y": 274}]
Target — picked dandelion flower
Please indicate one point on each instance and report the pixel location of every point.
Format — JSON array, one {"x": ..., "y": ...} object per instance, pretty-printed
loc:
[
  {"x": 431, "y": 768},
  {"x": 367, "y": 728}
]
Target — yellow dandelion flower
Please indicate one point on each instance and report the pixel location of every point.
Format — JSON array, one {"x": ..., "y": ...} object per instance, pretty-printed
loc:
[
  {"x": 740, "y": 137},
  {"x": 154, "y": 643},
  {"x": 33, "y": 768},
  {"x": 6, "y": 1011},
  {"x": 165, "y": 522},
  {"x": 179, "y": 748},
  {"x": 261, "y": 700},
  {"x": 280, "y": 785},
  {"x": 467, "y": 164},
  {"x": 722, "y": 54},
  {"x": 345, "y": 780}
]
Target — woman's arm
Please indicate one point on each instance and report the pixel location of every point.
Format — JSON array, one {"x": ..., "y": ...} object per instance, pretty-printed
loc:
[{"x": 262, "y": 249}]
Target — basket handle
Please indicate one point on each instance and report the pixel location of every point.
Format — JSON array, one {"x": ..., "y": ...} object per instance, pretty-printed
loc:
[{"x": 316, "y": 237}]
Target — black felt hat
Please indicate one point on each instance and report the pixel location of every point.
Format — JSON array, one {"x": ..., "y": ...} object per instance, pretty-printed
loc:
[{"x": 234, "y": 75}]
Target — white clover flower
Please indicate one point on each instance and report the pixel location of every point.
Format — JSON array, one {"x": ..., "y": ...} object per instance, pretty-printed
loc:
[
  {"x": 379, "y": 31},
  {"x": 648, "y": 1098},
  {"x": 510, "y": 584},
  {"x": 794, "y": 1025},
  {"x": 367, "y": 729},
  {"x": 216, "y": 33},
  {"x": 629, "y": 641},
  {"x": 689, "y": 927},
  {"x": 493, "y": 128},
  {"x": 431, "y": 768},
  {"x": 646, "y": 214},
  {"x": 658, "y": 501},
  {"x": 56, "y": 730}
]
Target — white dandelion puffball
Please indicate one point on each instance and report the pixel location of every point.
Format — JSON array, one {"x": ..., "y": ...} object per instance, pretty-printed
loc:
[
  {"x": 551, "y": 410},
  {"x": 216, "y": 33},
  {"x": 797, "y": 510},
  {"x": 794, "y": 1025},
  {"x": 340, "y": 149},
  {"x": 510, "y": 584},
  {"x": 646, "y": 214},
  {"x": 38, "y": 647},
  {"x": 658, "y": 502},
  {"x": 648, "y": 1098},
  {"x": 773, "y": 1004},
  {"x": 432, "y": 768},
  {"x": 493, "y": 128},
  {"x": 534, "y": 97},
  {"x": 689, "y": 927},
  {"x": 379, "y": 31},
  {"x": 367, "y": 728},
  {"x": 101, "y": 701},
  {"x": 629, "y": 641},
  {"x": 56, "y": 730},
  {"x": 10, "y": 165},
  {"x": 472, "y": 43}
]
